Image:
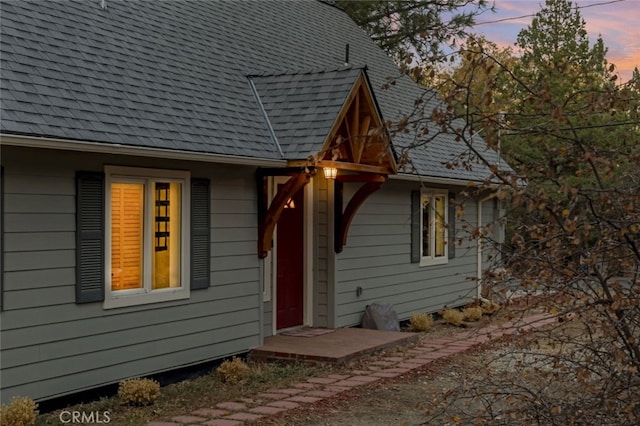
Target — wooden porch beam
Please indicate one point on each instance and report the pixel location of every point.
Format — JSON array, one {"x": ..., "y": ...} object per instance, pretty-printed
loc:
[
  {"x": 340, "y": 165},
  {"x": 343, "y": 219},
  {"x": 268, "y": 218},
  {"x": 368, "y": 177},
  {"x": 284, "y": 171}
]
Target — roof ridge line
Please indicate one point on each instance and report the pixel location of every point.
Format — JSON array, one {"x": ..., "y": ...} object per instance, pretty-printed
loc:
[
  {"x": 305, "y": 71},
  {"x": 332, "y": 3}
]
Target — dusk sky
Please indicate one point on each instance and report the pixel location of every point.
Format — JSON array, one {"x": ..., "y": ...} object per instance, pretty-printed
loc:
[{"x": 617, "y": 21}]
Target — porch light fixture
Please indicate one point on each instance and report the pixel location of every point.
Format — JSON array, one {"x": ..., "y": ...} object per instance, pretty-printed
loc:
[{"x": 330, "y": 173}]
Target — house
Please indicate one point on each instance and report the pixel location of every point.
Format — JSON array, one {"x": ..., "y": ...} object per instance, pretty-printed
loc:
[{"x": 164, "y": 200}]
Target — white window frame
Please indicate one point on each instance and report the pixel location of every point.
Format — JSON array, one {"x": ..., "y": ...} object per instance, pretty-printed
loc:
[
  {"x": 431, "y": 194},
  {"x": 145, "y": 295}
]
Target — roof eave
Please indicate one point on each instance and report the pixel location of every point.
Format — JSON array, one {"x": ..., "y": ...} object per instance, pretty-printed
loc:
[
  {"x": 118, "y": 149},
  {"x": 435, "y": 180}
]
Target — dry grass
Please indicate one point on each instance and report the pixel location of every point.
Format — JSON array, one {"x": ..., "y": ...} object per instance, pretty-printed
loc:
[
  {"x": 138, "y": 391},
  {"x": 421, "y": 322},
  {"x": 472, "y": 313},
  {"x": 208, "y": 390},
  {"x": 489, "y": 307},
  {"x": 234, "y": 371},
  {"x": 185, "y": 396},
  {"x": 453, "y": 317},
  {"x": 21, "y": 411}
]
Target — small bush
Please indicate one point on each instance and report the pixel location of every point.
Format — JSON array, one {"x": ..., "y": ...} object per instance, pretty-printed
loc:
[
  {"x": 421, "y": 322},
  {"x": 234, "y": 371},
  {"x": 472, "y": 313},
  {"x": 138, "y": 391},
  {"x": 21, "y": 411},
  {"x": 489, "y": 307},
  {"x": 452, "y": 316}
]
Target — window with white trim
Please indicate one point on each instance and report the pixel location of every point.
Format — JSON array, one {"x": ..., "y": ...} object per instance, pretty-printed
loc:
[
  {"x": 434, "y": 210},
  {"x": 147, "y": 235}
]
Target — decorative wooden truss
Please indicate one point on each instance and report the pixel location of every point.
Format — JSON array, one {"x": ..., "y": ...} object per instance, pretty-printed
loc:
[
  {"x": 357, "y": 145},
  {"x": 343, "y": 218},
  {"x": 357, "y": 140},
  {"x": 358, "y": 135}
]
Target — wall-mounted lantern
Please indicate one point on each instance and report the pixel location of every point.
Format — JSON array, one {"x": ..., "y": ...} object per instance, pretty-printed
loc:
[{"x": 330, "y": 173}]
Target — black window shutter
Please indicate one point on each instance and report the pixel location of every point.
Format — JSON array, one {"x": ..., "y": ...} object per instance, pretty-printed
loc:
[
  {"x": 200, "y": 234},
  {"x": 89, "y": 237},
  {"x": 452, "y": 226},
  {"x": 1, "y": 237},
  {"x": 416, "y": 232}
]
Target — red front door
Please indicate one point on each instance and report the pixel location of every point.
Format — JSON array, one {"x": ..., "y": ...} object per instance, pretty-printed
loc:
[{"x": 290, "y": 263}]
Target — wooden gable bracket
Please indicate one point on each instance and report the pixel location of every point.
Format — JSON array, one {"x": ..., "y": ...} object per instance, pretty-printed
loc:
[
  {"x": 343, "y": 218},
  {"x": 268, "y": 215}
]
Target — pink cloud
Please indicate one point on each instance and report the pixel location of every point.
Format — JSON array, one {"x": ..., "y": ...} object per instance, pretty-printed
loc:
[{"x": 618, "y": 23}]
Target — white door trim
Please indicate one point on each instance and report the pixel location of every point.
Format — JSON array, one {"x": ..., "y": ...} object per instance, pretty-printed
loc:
[{"x": 308, "y": 254}]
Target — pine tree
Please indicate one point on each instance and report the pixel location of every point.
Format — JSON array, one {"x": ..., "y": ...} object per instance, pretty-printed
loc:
[
  {"x": 564, "y": 105},
  {"x": 415, "y": 30}
]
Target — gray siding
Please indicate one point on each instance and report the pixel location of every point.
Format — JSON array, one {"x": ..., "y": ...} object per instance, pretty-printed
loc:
[
  {"x": 267, "y": 318},
  {"x": 377, "y": 258},
  {"x": 51, "y": 346},
  {"x": 322, "y": 253},
  {"x": 490, "y": 220}
]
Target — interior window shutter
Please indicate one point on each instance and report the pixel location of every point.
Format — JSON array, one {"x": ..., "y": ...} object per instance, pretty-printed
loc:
[
  {"x": 89, "y": 237},
  {"x": 415, "y": 226},
  {"x": 200, "y": 234},
  {"x": 451, "y": 243}
]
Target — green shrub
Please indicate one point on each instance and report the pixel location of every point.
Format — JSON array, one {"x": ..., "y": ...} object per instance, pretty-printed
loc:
[
  {"x": 472, "y": 313},
  {"x": 452, "y": 316},
  {"x": 234, "y": 371},
  {"x": 21, "y": 411},
  {"x": 138, "y": 391},
  {"x": 421, "y": 322}
]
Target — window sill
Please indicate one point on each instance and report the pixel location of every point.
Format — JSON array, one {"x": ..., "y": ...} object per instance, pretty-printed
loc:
[
  {"x": 120, "y": 301},
  {"x": 431, "y": 261}
]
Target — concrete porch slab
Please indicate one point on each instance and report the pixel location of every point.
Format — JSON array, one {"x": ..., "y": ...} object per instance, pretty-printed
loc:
[{"x": 343, "y": 345}]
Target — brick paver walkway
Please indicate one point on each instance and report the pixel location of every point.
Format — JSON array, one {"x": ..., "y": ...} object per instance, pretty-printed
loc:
[{"x": 315, "y": 389}]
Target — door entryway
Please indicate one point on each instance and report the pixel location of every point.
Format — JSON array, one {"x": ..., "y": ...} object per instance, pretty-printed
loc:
[{"x": 290, "y": 264}]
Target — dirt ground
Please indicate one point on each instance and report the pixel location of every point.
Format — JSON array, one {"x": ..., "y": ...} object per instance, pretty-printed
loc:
[
  {"x": 505, "y": 367},
  {"x": 400, "y": 401},
  {"x": 518, "y": 374}
]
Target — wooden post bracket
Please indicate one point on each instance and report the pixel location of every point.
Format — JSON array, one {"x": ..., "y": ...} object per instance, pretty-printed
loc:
[
  {"x": 343, "y": 219},
  {"x": 268, "y": 217}
]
